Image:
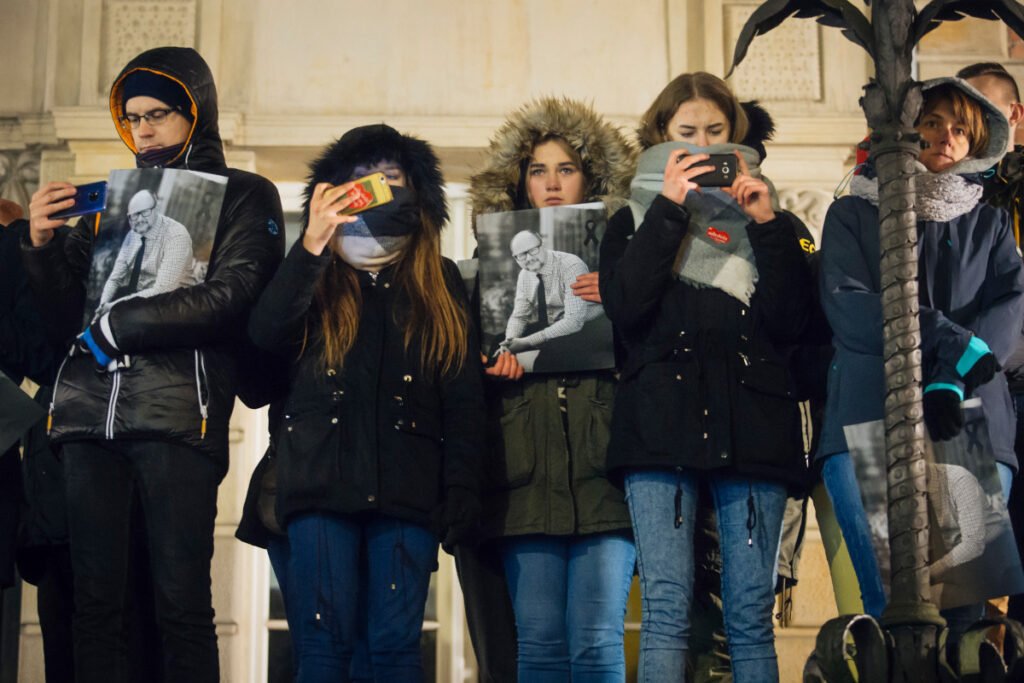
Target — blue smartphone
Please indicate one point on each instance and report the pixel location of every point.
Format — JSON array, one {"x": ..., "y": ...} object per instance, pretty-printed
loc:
[{"x": 89, "y": 198}]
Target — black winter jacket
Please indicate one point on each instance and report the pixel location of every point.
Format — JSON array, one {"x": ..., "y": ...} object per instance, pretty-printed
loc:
[
  {"x": 180, "y": 349},
  {"x": 379, "y": 435},
  {"x": 703, "y": 385}
]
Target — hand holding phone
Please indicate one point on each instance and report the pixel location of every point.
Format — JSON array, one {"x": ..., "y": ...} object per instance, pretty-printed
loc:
[
  {"x": 333, "y": 205},
  {"x": 367, "y": 192},
  {"x": 751, "y": 194},
  {"x": 724, "y": 173},
  {"x": 89, "y": 198},
  {"x": 47, "y": 201},
  {"x": 680, "y": 171}
]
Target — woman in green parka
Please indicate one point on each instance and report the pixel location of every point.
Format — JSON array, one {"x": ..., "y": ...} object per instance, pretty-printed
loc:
[{"x": 561, "y": 529}]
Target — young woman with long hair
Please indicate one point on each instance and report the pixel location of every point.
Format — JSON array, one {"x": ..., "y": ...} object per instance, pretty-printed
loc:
[
  {"x": 378, "y": 446},
  {"x": 704, "y": 286}
]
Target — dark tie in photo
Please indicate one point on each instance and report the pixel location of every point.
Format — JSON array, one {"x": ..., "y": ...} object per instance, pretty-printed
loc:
[
  {"x": 133, "y": 281},
  {"x": 542, "y": 303}
]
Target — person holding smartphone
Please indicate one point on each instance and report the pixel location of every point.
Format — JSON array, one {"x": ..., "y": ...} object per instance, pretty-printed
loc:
[
  {"x": 142, "y": 402},
  {"x": 558, "y": 529},
  {"x": 378, "y": 446},
  {"x": 704, "y": 287}
]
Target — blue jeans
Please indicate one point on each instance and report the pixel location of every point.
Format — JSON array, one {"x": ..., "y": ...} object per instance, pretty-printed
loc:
[
  {"x": 841, "y": 482},
  {"x": 278, "y": 550},
  {"x": 569, "y": 596},
  {"x": 749, "y": 525},
  {"x": 335, "y": 563}
]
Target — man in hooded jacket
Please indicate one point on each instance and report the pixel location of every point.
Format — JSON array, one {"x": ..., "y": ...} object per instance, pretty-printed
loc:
[{"x": 142, "y": 402}]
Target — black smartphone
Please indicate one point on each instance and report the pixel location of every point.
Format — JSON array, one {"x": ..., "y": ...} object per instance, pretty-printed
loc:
[
  {"x": 726, "y": 166},
  {"x": 89, "y": 198}
]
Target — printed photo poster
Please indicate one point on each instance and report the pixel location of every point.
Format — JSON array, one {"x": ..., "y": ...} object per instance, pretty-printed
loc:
[
  {"x": 972, "y": 552},
  {"x": 155, "y": 235},
  {"x": 528, "y": 263}
]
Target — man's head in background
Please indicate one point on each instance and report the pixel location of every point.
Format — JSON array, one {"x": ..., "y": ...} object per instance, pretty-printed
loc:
[{"x": 994, "y": 82}]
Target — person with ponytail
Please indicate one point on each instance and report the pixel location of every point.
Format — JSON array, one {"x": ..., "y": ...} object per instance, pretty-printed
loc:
[
  {"x": 705, "y": 287},
  {"x": 378, "y": 446}
]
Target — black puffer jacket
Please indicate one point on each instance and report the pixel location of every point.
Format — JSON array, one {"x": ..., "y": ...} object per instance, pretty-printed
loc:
[
  {"x": 183, "y": 346},
  {"x": 380, "y": 434}
]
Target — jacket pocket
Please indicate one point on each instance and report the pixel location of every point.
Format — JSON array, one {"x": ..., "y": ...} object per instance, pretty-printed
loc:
[
  {"x": 307, "y": 458},
  {"x": 765, "y": 375},
  {"x": 599, "y": 423},
  {"x": 667, "y": 396},
  {"x": 520, "y": 453},
  {"x": 418, "y": 460}
]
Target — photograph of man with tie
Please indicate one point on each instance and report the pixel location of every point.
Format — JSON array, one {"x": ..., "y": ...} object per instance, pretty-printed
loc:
[
  {"x": 156, "y": 254},
  {"x": 545, "y": 305}
]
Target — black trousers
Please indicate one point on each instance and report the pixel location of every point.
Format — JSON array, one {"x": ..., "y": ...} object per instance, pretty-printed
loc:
[
  {"x": 176, "y": 489},
  {"x": 489, "y": 614}
]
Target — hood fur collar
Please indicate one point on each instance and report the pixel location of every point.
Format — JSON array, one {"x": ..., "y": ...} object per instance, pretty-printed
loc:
[
  {"x": 608, "y": 159},
  {"x": 379, "y": 142}
]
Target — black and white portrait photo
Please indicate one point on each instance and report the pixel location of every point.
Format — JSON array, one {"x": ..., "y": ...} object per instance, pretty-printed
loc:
[
  {"x": 155, "y": 235},
  {"x": 531, "y": 265},
  {"x": 972, "y": 552}
]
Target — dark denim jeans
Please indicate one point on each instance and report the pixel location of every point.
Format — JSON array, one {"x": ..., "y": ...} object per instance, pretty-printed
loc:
[
  {"x": 177, "y": 494},
  {"x": 335, "y": 563},
  {"x": 569, "y": 595},
  {"x": 749, "y": 526}
]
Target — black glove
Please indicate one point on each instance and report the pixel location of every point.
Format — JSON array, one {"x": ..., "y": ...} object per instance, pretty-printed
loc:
[
  {"x": 942, "y": 414},
  {"x": 984, "y": 369},
  {"x": 460, "y": 521}
]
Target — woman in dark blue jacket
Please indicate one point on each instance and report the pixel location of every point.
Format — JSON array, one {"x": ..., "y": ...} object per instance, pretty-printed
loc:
[
  {"x": 971, "y": 302},
  {"x": 378, "y": 445}
]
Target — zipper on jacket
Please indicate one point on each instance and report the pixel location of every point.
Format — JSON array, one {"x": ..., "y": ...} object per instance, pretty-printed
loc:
[
  {"x": 53, "y": 396},
  {"x": 115, "y": 388},
  {"x": 201, "y": 380}
]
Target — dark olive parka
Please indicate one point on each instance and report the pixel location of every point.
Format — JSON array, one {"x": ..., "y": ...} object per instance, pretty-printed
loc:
[{"x": 541, "y": 478}]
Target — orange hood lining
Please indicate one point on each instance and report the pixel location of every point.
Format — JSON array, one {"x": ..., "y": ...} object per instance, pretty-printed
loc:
[{"x": 125, "y": 130}]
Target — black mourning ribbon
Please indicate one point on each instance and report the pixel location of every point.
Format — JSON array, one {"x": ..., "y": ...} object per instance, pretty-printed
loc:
[
  {"x": 542, "y": 302},
  {"x": 133, "y": 281}
]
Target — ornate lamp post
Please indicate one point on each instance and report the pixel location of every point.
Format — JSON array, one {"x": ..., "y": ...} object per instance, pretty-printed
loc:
[{"x": 909, "y": 649}]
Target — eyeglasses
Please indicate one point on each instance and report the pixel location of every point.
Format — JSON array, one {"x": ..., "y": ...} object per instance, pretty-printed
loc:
[
  {"x": 154, "y": 117},
  {"x": 145, "y": 213},
  {"x": 529, "y": 252}
]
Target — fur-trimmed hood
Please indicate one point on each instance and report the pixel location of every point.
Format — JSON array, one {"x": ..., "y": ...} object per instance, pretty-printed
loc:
[
  {"x": 608, "y": 158},
  {"x": 375, "y": 143},
  {"x": 760, "y": 129}
]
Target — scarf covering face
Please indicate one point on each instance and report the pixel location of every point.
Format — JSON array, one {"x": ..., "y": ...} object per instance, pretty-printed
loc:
[
  {"x": 715, "y": 252},
  {"x": 940, "y": 197},
  {"x": 376, "y": 239}
]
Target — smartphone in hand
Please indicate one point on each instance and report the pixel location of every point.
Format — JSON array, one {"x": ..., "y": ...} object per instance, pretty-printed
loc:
[
  {"x": 89, "y": 198},
  {"x": 724, "y": 174},
  {"x": 370, "y": 191}
]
